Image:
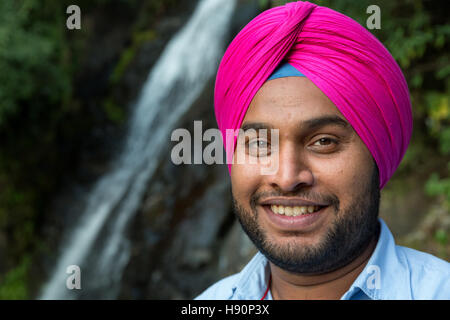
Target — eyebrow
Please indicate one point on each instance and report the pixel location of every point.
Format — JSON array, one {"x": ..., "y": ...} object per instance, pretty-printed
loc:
[
  {"x": 307, "y": 125},
  {"x": 316, "y": 123}
]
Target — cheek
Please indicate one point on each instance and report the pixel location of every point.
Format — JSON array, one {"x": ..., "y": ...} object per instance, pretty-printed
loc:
[
  {"x": 244, "y": 181},
  {"x": 345, "y": 175}
]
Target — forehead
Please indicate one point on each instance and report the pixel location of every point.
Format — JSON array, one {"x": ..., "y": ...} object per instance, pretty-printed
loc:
[{"x": 288, "y": 98}]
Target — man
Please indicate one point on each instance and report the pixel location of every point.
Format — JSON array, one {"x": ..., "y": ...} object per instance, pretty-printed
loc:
[{"x": 340, "y": 107}]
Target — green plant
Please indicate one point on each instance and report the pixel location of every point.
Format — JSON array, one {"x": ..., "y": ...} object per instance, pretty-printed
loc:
[{"x": 13, "y": 285}]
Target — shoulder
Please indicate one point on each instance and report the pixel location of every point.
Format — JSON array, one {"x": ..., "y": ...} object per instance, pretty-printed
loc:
[
  {"x": 248, "y": 284},
  {"x": 221, "y": 290},
  {"x": 429, "y": 275}
]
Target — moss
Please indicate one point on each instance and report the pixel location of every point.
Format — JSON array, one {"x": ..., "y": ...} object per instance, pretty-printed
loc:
[
  {"x": 114, "y": 112},
  {"x": 128, "y": 54},
  {"x": 13, "y": 285},
  {"x": 441, "y": 237},
  {"x": 263, "y": 5},
  {"x": 438, "y": 186}
]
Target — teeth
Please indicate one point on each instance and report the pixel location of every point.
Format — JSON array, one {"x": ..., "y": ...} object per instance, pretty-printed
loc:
[
  {"x": 288, "y": 211},
  {"x": 294, "y": 211}
]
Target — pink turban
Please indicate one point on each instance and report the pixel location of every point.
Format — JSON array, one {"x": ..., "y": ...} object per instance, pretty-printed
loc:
[{"x": 343, "y": 59}]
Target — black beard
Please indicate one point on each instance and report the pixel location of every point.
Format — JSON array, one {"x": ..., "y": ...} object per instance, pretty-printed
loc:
[{"x": 346, "y": 239}]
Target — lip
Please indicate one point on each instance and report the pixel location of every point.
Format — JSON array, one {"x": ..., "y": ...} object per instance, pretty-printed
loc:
[{"x": 300, "y": 223}]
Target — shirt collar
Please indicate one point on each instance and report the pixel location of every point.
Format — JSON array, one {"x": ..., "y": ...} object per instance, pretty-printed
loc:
[
  {"x": 386, "y": 275},
  {"x": 253, "y": 279}
]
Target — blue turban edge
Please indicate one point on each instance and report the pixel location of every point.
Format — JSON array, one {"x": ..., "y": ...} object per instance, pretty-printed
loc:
[{"x": 285, "y": 70}]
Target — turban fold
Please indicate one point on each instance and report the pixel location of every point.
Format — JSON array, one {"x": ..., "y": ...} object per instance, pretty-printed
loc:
[{"x": 343, "y": 59}]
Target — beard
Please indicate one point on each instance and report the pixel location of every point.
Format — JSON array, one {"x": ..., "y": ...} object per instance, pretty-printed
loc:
[{"x": 343, "y": 242}]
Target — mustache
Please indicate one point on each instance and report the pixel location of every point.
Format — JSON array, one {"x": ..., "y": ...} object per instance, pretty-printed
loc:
[{"x": 331, "y": 199}]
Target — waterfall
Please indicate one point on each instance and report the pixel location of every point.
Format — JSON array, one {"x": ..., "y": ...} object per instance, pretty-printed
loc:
[{"x": 97, "y": 243}]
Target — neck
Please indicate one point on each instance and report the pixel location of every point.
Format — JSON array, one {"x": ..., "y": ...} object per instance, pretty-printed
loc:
[{"x": 331, "y": 285}]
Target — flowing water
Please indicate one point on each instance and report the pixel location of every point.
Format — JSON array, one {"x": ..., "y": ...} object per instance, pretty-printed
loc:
[{"x": 97, "y": 243}]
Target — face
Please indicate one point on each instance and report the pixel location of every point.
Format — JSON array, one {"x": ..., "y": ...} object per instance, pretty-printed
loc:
[{"x": 319, "y": 210}]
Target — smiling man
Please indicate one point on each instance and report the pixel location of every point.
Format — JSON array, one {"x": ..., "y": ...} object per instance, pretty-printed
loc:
[{"x": 340, "y": 106}]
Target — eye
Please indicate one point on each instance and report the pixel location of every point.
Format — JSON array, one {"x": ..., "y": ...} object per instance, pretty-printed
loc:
[
  {"x": 324, "y": 141},
  {"x": 258, "y": 147},
  {"x": 325, "y": 144},
  {"x": 258, "y": 143}
]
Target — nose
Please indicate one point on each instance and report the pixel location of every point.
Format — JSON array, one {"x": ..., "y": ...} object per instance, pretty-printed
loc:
[{"x": 293, "y": 171}]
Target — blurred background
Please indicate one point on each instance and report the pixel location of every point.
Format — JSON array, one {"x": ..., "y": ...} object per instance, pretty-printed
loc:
[{"x": 85, "y": 122}]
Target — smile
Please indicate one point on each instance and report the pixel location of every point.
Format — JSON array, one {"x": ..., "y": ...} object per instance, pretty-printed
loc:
[
  {"x": 293, "y": 211},
  {"x": 295, "y": 218}
]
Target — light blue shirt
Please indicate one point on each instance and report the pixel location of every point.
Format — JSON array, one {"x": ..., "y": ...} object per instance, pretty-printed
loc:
[{"x": 392, "y": 272}]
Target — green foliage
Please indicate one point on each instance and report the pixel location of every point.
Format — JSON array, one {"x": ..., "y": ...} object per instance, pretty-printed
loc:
[
  {"x": 114, "y": 112},
  {"x": 263, "y": 4},
  {"x": 444, "y": 138},
  {"x": 13, "y": 285},
  {"x": 35, "y": 86},
  {"x": 437, "y": 108},
  {"x": 436, "y": 186},
  {"x": 30, "y": 57},
  {"x": 20, "y": 223},
  {"x": 441, "y": 237}
]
